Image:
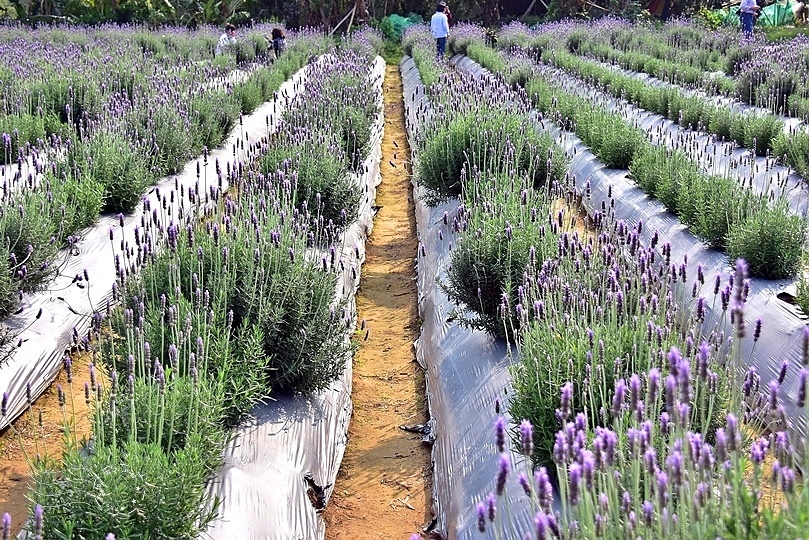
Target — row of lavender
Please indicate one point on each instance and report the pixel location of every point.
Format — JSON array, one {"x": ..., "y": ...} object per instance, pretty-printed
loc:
[
  {"x": 768, "y": 75},
  {"x": 701, "y": 200},
  {"x": 631, "y": 394},
  {"x": 216, "y": 310},
  {"x": 763, "y": 133},
  {"x": 91, "y": 118}
]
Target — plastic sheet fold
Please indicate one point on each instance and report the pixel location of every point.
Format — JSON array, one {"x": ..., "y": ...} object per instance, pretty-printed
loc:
[
  {"x": 283, "y": 459},
  {"x": 466, "y": 371}
]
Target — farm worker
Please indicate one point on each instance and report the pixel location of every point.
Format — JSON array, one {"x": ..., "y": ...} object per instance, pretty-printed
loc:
[
  {"x": 279, "y": 41},
  {"x": 439, "y": 25},
  {"x": 747, "y": 12},
  {"x": 226, "y": 40}
]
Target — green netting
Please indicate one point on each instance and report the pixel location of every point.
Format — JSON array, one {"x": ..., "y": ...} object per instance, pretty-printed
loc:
[
  {"x": 393, "y": 26},
  {"x": 777, "y": 14}
]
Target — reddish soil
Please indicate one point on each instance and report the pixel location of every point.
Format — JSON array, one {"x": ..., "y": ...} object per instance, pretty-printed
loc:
[
  {"x": 29, "y": 436},
  {"x": 384, "y": 486}
]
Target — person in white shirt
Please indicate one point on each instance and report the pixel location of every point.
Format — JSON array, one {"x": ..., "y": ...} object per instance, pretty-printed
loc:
[
  {"x": 747, "y": 12},
  {"x": 439, "y": 25},
  {"x": 226, "y": 40}
]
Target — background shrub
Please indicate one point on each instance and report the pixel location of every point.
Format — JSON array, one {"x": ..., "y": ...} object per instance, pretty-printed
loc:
[{"x": 771, "y": 241}]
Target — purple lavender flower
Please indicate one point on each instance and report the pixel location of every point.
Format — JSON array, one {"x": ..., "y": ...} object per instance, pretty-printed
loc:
[
  {"x": 481, "y": 510},
  {"x": 504, "y": 467},
  {"x": 634, "y": 391},
  {"x": 787, "y": 479},
  {"x": 732, "y": 428},
  {"x": 524, "y": 483},
  {"x": 500, "y": 433},
  {"x": 560, "y": 448},
  {"x": 566, "y": 400},
  {"x": 626, "y": 503},
  {"x": 648, "y": 513},
  {"x": 574, "y": 480},
  {"x": 544, "y": 488},
  {"x": 527, "y": 438},
  {"x": 653, "y": 382},
  {"x": 491, "y": 505},
  {"x": 4, "y": 405},
  {"x": 662, "y": 488},
  {"x": 618, "y": 398},
  {"x": 38, "y": 525},
  {"x": 802, "y": 381},
  {"x": 541, "y": 525},
  {"x": 6, "y": 526}
]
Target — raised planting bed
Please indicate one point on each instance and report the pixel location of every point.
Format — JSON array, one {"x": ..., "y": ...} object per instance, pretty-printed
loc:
[
  {"x": 182, "y": 375},
  {"x": 84, "y": 135},
  {"x": 660, "y": 243}
]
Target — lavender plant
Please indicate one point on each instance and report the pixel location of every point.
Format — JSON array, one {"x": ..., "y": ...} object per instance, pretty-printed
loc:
[
  {"x": 644, "y": 470},
  {"x": 214, "y": 314},
  {"x": 699, "y": 199}
]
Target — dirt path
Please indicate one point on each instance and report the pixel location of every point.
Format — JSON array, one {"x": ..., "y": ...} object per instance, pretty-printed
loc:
[
  {"x": 39, "y": 432},
  {"x": 384, "y": 486}
]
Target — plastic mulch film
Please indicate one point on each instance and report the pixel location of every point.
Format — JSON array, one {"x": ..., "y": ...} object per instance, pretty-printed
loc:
[
  {"x": 466, "y": 371},
  {"x": 70, "y": 300},
  {"x": 715, "y": 157},
  {"x": 282, "y": 462},
  {"x": 783, "y": 324}
]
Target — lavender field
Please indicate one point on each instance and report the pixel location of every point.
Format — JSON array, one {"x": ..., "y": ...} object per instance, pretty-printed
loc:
[
  {"x": 612, "y": 230},
  {"x": 657, "y": 377}
]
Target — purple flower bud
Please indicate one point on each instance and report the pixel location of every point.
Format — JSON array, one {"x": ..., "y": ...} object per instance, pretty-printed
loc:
[
  {"x": 787, "y": 479},
  {"x": 648, "y": 513},
  {"x": 802, "y": 381},
  {"x": 560, "y": 448},
  {"x": 500, "y": 433},
  {"x": 524, "y": 484},
  {"x": 541, "y": 525},
  {"x": 6, "y": 526},
  {"x": 734, "y": 437},
  {"x": 703, "y": 358},
  {"x": 481, "y": 508},
  {"x": 634, "y": 391},
  {"x": 574, "y": 480},
  {"x": 38, "y": 525},
  {"x": 588, "y": 467},
  {"x": 544, "y": 488},
  {"x": 527, "y": 438},
  {"x": 758, "y": 451},
  {"x": 566, "y": 400},
  {"x": 491, "y": 505},
  {"x": 757, "y": 331},
  {"x": 504, "y": 467},
  {"x": 653, "y": 385},
  {"x": 4, "y": 405},
  {"x": 674, "y": 463},
  {"x": 618, "y": 398},
  {"x": 664, "y": 423}
]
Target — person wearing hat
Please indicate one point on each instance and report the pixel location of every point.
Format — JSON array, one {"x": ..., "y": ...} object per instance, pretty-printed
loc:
[{"x": 439, "y": 25}]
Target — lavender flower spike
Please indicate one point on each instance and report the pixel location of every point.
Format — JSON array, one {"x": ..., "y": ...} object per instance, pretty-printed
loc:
[
  {"x": 481, "y": 511},
  {"x": 504, "y": 467},
  {"x": 6, "y": 526},
  {"x": 500, "y": 433},
  {"x": 527, "y": 438}
]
